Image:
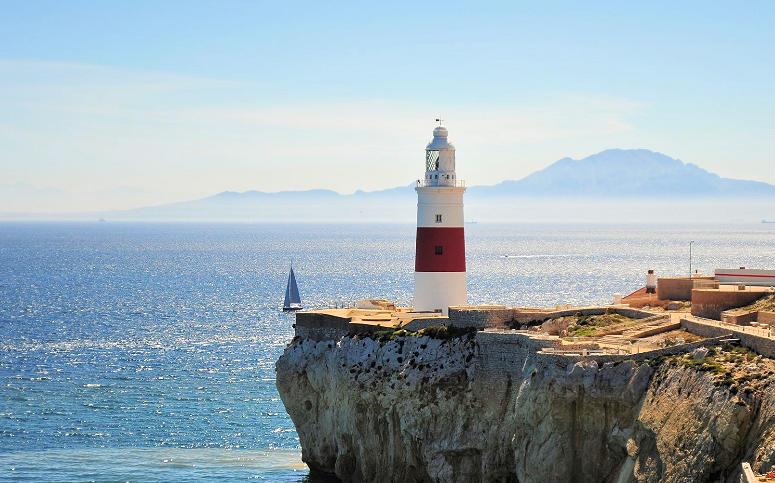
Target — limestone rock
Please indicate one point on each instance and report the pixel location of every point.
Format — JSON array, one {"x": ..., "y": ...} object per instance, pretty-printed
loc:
[{"x": 488, "y": 408}]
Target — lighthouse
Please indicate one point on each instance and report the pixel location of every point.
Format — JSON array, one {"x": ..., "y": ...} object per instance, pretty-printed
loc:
[{"x": 440, "y": 257}]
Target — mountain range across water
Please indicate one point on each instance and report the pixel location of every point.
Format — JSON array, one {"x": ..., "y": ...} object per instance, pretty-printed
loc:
[{"x": 567, "y": 190}]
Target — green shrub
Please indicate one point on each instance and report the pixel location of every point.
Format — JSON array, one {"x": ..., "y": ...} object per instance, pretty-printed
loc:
[{"x": 444, "y": 332}]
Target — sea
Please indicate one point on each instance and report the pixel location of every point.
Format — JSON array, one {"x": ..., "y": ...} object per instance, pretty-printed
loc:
[{"x": 145, "y": 352}]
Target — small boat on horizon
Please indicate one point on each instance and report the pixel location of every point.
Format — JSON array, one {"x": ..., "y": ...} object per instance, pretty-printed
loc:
[{"x": 292, "y": 299}]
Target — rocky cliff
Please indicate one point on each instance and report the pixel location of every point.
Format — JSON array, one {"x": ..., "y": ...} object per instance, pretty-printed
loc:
[{"x": 418, "y": 408}]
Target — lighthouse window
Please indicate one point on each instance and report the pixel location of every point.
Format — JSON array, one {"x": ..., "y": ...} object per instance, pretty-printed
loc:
[
  {"x": 438, "y": 218},
  {"x": 431, "y": 160},
  {"x": 439, "y": 250}
]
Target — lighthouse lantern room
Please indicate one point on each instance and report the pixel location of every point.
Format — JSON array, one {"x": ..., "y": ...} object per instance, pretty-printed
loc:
[{"x": 440, "y": 257}]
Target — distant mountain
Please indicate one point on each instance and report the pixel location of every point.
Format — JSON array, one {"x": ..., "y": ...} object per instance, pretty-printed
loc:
[
  {"x": 306, "y": 206},
  {"x": 626, "y": 173},
  {"x": 612, "y": 185}
]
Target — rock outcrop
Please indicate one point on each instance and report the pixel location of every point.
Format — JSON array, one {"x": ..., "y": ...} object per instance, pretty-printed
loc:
[{"x": 416, "y": 408}]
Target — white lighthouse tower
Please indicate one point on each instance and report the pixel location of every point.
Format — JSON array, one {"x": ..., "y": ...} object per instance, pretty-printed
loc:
[{"x": 440, "y": 258}]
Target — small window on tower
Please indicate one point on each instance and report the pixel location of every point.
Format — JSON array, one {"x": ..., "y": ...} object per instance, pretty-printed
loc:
[
  {"x": 438, "y": 218},
  {"x": 439, "y": 250}
]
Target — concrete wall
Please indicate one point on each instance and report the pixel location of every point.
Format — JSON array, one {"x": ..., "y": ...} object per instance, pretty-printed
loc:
[
  {"x": 710, "y": 303},
  {"x": 677, "y": 288}
]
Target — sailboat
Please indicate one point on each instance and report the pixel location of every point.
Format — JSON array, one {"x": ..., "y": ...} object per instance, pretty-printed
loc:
[{"x": 292, "y": 299}]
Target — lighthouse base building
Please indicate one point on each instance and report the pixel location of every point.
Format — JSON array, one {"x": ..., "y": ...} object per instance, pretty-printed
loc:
[{"x": 440, "y": 257}]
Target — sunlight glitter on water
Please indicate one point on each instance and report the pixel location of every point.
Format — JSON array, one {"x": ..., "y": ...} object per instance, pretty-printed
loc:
[
  {"x": 156, "y": 464},
  {"x": 164, "y": 336}
]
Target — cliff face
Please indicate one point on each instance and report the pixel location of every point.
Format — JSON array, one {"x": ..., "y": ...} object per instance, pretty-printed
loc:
[{"x": 416, "y": 408}]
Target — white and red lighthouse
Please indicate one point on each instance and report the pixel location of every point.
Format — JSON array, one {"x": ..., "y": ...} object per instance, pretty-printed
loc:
[{"x": 440, "y": 258}]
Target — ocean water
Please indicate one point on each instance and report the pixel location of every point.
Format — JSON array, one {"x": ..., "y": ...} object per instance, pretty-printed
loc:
[{"x": 146, "y": 351}]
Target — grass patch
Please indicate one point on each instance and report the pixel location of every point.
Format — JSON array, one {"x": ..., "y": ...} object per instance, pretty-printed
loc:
[
  {"x": 766, "y": 303},
  {"x": 591, "y": 325}
]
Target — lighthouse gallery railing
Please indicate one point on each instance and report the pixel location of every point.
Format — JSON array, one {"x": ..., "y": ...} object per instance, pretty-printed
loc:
[{"x": 455, "y": 183}]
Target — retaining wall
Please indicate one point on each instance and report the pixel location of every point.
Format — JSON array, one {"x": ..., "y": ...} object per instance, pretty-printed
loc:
[
  {"x": 677, "y": 288},
  {"x": 759, "y": 344},
  {"x": 738, "y": 319},
  {"x": 505, "y": 318},
  {"x": 709, "y": 303},
  {"x": 317, "y": 326},
  {"x": 507, "y": 352}
]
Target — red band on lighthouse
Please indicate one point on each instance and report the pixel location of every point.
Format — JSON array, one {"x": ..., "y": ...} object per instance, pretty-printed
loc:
[{"x": 440, "y": 250}]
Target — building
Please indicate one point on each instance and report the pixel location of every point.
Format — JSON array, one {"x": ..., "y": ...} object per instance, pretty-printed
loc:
[{"x": 440, "y": 257}]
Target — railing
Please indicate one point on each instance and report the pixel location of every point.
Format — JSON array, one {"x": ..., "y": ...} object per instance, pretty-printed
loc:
[
  {"x": 704, "y": 283},
  {"x": 432, "y": 183}
]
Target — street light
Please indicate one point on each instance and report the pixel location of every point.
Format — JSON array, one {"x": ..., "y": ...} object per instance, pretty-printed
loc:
[{"x": 690, "y": 258}]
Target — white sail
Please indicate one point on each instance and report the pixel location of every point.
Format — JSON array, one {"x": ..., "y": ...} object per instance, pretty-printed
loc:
[{"x": 292, "y": 298}]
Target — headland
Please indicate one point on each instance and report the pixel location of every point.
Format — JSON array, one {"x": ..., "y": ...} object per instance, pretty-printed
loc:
[
  {"x": 620, "y": 392},
  {"x": 673, "y": 382}
]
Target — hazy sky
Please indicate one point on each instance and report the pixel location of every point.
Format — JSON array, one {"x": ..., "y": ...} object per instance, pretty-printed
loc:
[{"x": 121, "y": 104}]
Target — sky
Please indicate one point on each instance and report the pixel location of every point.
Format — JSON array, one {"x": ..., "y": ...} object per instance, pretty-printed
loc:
[{"x": 112, "y": 105}]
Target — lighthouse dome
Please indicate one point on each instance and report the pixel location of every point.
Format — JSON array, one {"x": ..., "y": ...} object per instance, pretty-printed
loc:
[{"x": 439, "y": 141}]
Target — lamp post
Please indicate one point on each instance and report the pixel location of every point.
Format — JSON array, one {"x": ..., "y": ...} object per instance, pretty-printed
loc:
[{"x": 690, "y": 259}]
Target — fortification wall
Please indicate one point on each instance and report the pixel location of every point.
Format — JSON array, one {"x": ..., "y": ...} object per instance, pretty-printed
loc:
[
  {"x": 319, "y": 326},
  {"x": 505, "y": 353},
  {"x": 710, "y": 303},
  {"x": 564, "y": 360},
  {"x": 510, "y": 352},
  {"x": 759, "y": 344},
  {"x": 481, "y": 317},
  {"x": 501, "y": 317},
  {"x": 657, "y": 330},
  {"x": 738, "y": 319},
  {"x": 677, "y": 288}
]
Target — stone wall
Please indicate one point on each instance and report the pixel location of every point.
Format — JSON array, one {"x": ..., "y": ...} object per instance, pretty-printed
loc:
[
  {"x": 319, "y": 326},
  {"x": 744, "y": 318},
  {"x": 709, "y": 303},
  {"x": 759, "y": 344},
  {"x": 503, "y": 352},
  {"x": 657, "y": 330},
  {"x": 481, "y": 317},
  {"x": 501, "y": 317},
  {"x": 564, "y": 360}
]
